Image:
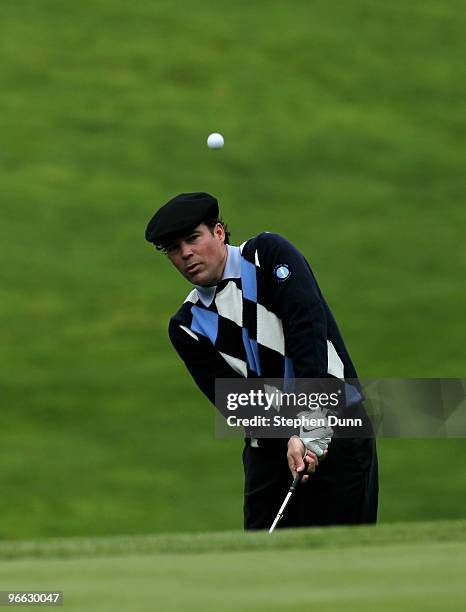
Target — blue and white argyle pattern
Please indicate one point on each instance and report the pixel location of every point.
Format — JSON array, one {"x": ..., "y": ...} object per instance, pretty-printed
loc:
[{"x": 246, "y": 334}]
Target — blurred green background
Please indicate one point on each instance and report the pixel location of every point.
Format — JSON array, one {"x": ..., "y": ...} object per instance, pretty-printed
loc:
[{"x": 344, "y": 127}]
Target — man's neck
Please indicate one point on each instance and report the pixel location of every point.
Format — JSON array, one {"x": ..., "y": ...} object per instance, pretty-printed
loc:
[
  {"x": 231, "y": 269},
  {"x": 221, "y": 269}
]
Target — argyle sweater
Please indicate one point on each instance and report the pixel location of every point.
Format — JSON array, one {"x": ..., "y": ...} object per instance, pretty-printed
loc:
[{"x": 266, "y": 318}]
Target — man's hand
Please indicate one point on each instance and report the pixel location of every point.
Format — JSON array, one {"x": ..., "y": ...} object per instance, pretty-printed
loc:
[
  {"x": 316, "y": 438},
  {"x": 295, "y": 455}
]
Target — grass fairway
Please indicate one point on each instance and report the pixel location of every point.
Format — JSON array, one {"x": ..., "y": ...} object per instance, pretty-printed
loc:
[
  {"x": 344, "y": 131},
  {"x": 417, "y": 567}
]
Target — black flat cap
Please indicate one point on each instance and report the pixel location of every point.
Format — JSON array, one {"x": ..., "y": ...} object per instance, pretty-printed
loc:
[{"x": 179, "y": 215}]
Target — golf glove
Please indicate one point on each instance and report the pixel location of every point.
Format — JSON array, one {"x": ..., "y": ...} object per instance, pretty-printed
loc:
[{"x": 316, "y": 438}]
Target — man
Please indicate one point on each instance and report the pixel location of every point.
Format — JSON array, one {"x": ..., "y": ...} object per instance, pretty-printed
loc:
[{"x": 257, "y": 311}]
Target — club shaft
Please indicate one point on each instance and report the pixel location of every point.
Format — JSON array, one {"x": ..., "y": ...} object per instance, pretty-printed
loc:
[{"x": 289, "y": 495}]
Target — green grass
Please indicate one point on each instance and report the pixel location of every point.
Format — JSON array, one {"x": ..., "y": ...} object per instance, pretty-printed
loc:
[
  {"x": 418, "y": 578},
  {"x": 344, "y": 131},
  {"x": 234, "y": 541},
  {"x": 415, "y": 566}
]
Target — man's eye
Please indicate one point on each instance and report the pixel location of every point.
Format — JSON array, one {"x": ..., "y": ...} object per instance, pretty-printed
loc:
[{"x": 193, "y": 238}]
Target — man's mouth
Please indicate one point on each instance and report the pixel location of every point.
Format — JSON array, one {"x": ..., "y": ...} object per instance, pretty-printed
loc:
[{"x": 192, "y": 268}]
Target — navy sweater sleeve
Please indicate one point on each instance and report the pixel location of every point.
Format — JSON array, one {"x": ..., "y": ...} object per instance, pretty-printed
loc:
[
  {"x": 297, "y": 301},
  {"x": 204, "y": 363}
]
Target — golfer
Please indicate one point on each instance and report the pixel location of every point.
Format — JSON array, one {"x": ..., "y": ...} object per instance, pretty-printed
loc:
[{"x": 256, "y": 310}]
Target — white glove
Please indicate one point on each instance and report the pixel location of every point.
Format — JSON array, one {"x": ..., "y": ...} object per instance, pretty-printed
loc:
[{"x": 317, "y": 437}]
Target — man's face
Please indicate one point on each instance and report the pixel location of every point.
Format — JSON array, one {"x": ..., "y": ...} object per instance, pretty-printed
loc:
[{"x": 201, "y": 255}]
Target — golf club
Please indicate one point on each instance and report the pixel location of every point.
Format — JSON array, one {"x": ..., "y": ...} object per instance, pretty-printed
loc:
[{"x": 289, "y": 495}]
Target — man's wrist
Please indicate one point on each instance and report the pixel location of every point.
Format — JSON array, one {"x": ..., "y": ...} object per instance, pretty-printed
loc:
[{"x": 296, "y": 437}]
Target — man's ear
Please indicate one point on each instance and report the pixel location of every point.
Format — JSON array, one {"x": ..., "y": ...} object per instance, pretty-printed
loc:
[{"x": 220, "y": 232}]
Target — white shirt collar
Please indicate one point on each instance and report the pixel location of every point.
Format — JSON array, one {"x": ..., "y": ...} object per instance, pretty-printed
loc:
[{"x": 232, "y": 270}]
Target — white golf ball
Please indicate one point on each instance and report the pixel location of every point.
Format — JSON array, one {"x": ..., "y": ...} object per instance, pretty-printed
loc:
[{"x": 215, "y": 141}]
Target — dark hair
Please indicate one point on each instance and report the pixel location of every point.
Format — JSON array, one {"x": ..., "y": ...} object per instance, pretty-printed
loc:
[{"x": 211, "y": 223}]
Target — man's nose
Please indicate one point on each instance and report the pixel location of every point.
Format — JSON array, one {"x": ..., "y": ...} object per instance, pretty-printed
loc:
[{"x": 186, "y": 251}]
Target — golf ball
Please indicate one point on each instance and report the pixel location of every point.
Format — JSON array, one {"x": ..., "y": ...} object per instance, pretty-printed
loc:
[{"x": 215, "y": 141}]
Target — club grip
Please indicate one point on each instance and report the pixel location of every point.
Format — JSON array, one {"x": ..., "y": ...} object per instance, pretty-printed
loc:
[{"x": 297, "y": 480}]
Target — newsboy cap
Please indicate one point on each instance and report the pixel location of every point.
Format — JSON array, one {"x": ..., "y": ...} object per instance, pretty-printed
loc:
[{"x": 179, "y": 215}]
